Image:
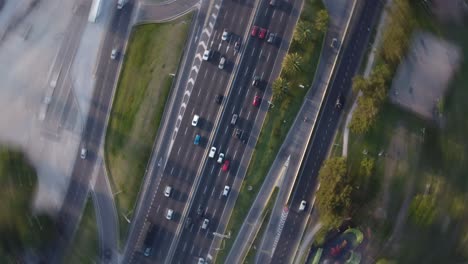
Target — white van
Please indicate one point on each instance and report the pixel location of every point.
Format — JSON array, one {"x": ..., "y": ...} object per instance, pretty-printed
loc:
[
  {"x": 205, "y": 223},
  {"x": 212, "y": 152},
  {"x": 167, "y": 191},
  {"x": 83, "y": 153}
]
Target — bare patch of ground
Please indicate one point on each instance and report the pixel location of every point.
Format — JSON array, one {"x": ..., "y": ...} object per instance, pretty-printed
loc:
[{"x": 423, "y": 76}]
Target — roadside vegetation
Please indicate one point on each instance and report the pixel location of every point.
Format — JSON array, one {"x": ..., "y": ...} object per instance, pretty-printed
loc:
[
  {"x": 298, "y": 69},
  {"x": 85, "y": 246},
  {"x": 21, "y": 230},
  {"x": 152, "y": 56},
  {"x": 405, "y": 178}
]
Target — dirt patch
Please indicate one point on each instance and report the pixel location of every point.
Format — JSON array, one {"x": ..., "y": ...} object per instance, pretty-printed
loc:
[{"x": 423, "y": 77}]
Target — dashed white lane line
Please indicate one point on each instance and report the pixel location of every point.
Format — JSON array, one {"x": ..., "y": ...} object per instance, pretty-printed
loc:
[
  {"x": 212, "y": 192},
  {"x": 268, "y": 57},
  {"x": 172, "y": 170},
  {"x": 246, "y": 71},
  {"x": 185, "y": 132},
  {"x": 263, "y": 73},
  {"x": 253, "y": 50},
  {"x": 261, "y": 51},
  {"x": 225, "y": 131},
  {"x": 204, "y": 75},
  {"x": 178, "y": 151},
  {"x": 193, "y": 110},
  {"x": 266, "y": 12},
  {"x": 212, "y": 169},
  {"x": 157, "y": 209},
  {"x": 232, "y": 112},
  {"x": 199, "y": 91},
  {"x": 184, "y": 247},
  {"x": 234, "y": 157},
  {"x": 204, "y": 190},
  {"x": 248, "y": 115},
  {"x": 281, "y": 17},
  {"x": 191, "y": 250},
  {"x": 240, "y": 90},
  {"x": 273, "y": 15}
]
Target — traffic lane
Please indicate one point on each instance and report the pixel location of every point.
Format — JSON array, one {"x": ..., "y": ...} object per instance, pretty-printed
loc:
[
  {"x": 351, "y": 59},
  {"x": 226, "y": 180},
  {"x": 188, "y": 117}
]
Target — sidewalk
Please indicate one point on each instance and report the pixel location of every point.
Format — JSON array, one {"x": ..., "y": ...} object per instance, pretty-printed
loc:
[{"x": 294, "y": 147}]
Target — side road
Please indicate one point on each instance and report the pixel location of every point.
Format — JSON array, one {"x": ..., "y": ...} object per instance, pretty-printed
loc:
[{"x": 293, "y": 146}]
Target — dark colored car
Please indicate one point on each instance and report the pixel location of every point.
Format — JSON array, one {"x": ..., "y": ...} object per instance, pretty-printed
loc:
[
  {"x": 239, "y": 133},
  {"x": 262, "y": 33},
  {"x": 219, "y": 99},
  {"x": 237, "y": 46},
  {"x": 256, "y": 101},
  {"x": 254, "y": 31},
  {"x": 200, "y": 211}
]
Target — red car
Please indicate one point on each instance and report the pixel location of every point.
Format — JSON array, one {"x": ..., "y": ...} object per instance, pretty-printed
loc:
[
  {"x": 254, "y": 31},
  {"x": 225, "y": 165},
  {"x": 256, "y": 101},
  {"x": 263, "y": 33}
]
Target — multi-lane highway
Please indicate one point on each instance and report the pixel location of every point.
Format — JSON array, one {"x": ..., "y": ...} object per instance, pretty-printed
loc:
[
  {"x": 324, "y": 131},
  {"x": 187, "y": 166}
]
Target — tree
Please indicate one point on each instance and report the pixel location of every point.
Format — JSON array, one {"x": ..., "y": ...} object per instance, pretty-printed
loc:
[
  {"x": 292, "y": 64},
  {"x": 423, "y": 209},
  {"x": 378, "y": 82},
  {"x": 367, "y": 167},
  {"x": 360, "y": 84},
  {"x": 334, "y": 195},
  {"x": 321, "y": 21},
  {"x": 303, "y": 32},
  {"x": 364, "y": 115},
  {"x": 280, "y": 89}
]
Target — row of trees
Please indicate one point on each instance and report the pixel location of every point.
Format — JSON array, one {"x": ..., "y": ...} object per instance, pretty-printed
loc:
[
  {"x": 293, "y": 64},
  {"x": 396, "y": 38}
]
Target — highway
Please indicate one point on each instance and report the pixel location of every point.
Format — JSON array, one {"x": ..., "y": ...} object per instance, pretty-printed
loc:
[
  {"x": 77, "y": 193},
  {"x": 186, "y": 161},
  {"x": 324, "y": 132},
  {"x": 194, "y": 241}
]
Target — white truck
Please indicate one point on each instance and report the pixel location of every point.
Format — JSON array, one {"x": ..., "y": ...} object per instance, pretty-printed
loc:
[{"x": 121, "y": 3}]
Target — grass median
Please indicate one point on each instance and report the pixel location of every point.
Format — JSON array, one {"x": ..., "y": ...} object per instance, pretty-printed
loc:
[
  {"x": 85, "y": 247},
  {"x": 153, "y": 55},
  {"x": 280, "y": 118}
]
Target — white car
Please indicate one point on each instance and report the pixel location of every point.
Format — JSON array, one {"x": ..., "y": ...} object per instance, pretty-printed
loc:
[
  {"x": 220, "y": 158},
  {"x": 212, "y": 152},
  {"x": 303, "y": 205},
  {"x": 222, "y": 61},
  {"x": 195, "y": 120},
  {"x": 169, "y": 214},
  {"x": 226, "y": 190},
  {"x": 225, "y": 35},
  {"x": 83, "y": 153},
  {"x": 205, "y": 223},
  {"x": 201, "y": 261},
  {"x": 207, "y": 55},
  {"x": 114, "y": 54},
  {"x": 167, "y": 191}
]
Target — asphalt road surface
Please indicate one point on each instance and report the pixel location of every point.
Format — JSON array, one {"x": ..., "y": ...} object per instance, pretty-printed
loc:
[
  {"x": 325, "y": 127},
  {"x": 77, "y": 193},
  {"x": 187, "y": 160}
]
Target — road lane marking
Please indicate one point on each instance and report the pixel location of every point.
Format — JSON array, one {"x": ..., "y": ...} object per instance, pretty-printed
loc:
[
  {"x": 193, "y": 110},
  {"x": 199, "y": 91},
  {"x": 253, "y": 50},
  {"x": 246, "y": 71},
  {"x": 204, "y": 190},
  {"x": 212, "y": 192},
  {"x": 178, "y": 151},
  {"x": 248, "y": 115},
  {"x": 225, "y": 131},
  {"x": 281, "y": 17},
  {"x": 212, "y": 169},
  {"x": 172, "y": 170},
  {"x": 239, "y": 92},
  {"x": 219, "y": 45},
  {"x": 184, "y": 247},
  {"x": 204, "y": 75},
  {"x": 261, "y": 51},
  {"x": 185, "y": 133},
  {"x": 211, "y": 25},
  {"x": 263, "y": 73},
  {"x": 235, "y": 153},
  {"x": 157, "y": 209},
  {"x": 232, "y": 112},
  {"x": 268, "y": 57},
  {"x": 191, "y": 250},
  {"x": 266, "y": 12},
  {"x": 273, "y": 15}
]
